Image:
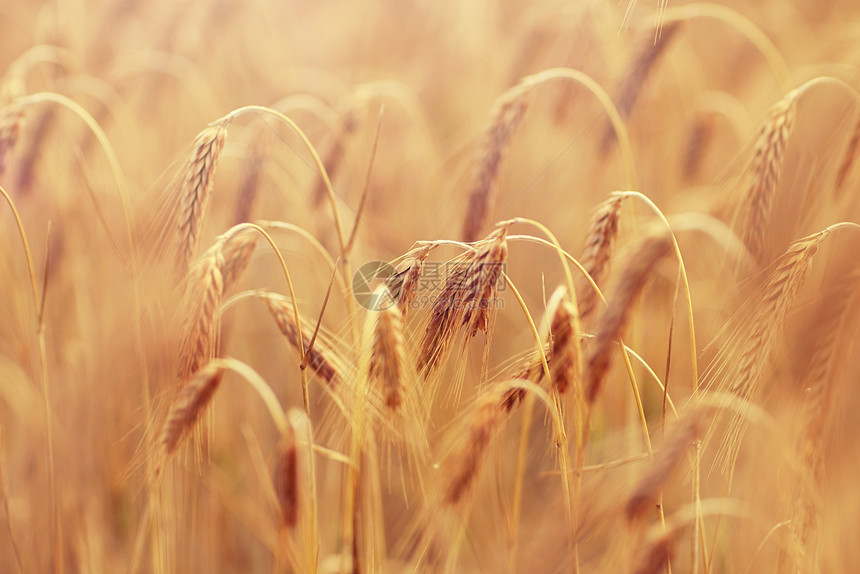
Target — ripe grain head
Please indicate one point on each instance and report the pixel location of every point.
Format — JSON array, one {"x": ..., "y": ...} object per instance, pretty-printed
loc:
[
  {"x": 639, "y": 269},
  {"x": 597, "y": 254},
  {"x": 196, "y": 191},
  {"x": 487, "y": 415},
  {"x": 282, "y": 312},
  {"x": 507, "y": 114},
  {"x": 467, "y": 298},
  {"x": 189, "y": 404},
  {"x": 764, "y": 170},
  {"x": 204, "y": 289},
  {"x": 388, "y": 358}
]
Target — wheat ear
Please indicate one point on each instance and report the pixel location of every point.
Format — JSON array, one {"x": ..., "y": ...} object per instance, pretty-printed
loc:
[
  {"x": 334, "y": 156},
  {"x": 403, "y": 283},
  {"x": 647, "y": 492},
  {"x": 767, "y": 161},
  {"x": 597, "y": 254},
  {"x": 614, "y": 319},
  {"x": 756, "y": 338},
  {"x": 388, "y": 359},
  {"x": 286, "y": 478},
  {"x": 196, "y": 190},
  {"x": 237, "y": 250},
  {"x": 847, "y": 159},
  {"x": 11, "y": 121},
  {"x": 507, "y": 115},
  {"x": 204, "y": 289},
  {"x": 282, "y": 312},
  {"x": 488, "y": 414},
  {"x": 467, "y": 299},
  {"x": 815, "y": 417},
  {"x": 566, "y": 364},
  {"x": 637, "y": 74},
  {"x": 249, "y": 186},
  {"x": 189, "y": 404}
]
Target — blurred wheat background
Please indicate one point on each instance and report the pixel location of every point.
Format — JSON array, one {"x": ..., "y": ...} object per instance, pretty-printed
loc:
[{"x": 181, "y": 392}]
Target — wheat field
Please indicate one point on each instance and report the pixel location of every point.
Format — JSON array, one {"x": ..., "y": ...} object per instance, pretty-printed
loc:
[{"x": 399, "y": 286}]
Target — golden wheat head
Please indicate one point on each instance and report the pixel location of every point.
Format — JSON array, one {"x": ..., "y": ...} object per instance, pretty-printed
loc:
[{"x": 196, "y": 191}]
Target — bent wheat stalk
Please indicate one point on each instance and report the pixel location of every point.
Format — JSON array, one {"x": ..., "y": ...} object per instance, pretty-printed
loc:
[
  {"x": 282, "y": 312},
  {"x": 740, "y": 371},
  {"x": 614, "y": 319},
  {"x": 636, "y": 75}
]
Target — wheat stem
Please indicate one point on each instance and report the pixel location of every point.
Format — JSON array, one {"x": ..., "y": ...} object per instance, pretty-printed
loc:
[
  {"x": 56, "y": 526},
  {"x": 605, "y": 100},
  {"x": 260, "y": 386},
  {"x": 300, "y": 343},
  {"x": 331, "y": 196},
  {"x": 740, "y": 23}
]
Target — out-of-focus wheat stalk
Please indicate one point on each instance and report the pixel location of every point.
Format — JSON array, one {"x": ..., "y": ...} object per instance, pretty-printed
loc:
[
  {"x": 282, "y": 312},
  {"x": 751, "y": 349},
  {"x": 186, "y": 409},
  {"x": 637, "y": 73},
  {"x": 506, "y": 117},
  {"x": 615, "y": 318},
  {"x": 764, "y": 170}
]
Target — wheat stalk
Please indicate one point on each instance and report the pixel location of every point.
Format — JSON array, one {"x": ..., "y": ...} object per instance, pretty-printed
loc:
[
  {"x": 488, "y": 414},
  {"x": 282, "y": 312},
  {"x": 507, "y": 115},
  {"x": 11, "y": 121},
  {"x": 614, "y": 319},
  {"x": 637, "y": 74}
]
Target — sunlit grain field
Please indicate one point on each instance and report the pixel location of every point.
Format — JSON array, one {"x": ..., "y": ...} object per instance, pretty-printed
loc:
[{"x": 405, "y": 286}]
